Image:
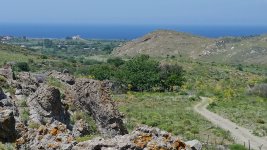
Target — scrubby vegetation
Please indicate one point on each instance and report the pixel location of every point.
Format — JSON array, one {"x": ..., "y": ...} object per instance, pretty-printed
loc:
[
  {"x": 140, "y": 73},
  {"x": 168, "y": 111}
]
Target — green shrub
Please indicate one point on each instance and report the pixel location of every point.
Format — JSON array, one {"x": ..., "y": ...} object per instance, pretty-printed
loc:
[
  {"x": 34, "y": 125},
  {"x": 141, "y": 73},
  {"x": 25, "y": 115},
  {"x": 85, "y": 138},
  {"x": 102, "y": 71},
  {"x": 116, "y": 61},
  {"x": 23, "y": 103},
  {"x": 22, "y": 66},
  {"x": 78, "y": 115},
  {"x": 237, "y": 147},
  {"x": 260, "y": 121},
  {"x": 3, "y": 82},
  {"x": 171, "y": 75},
  {"x": 55, "y": 82}
]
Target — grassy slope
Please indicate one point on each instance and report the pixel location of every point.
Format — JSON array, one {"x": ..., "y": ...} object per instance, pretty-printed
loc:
[
  {"x": 228, "y": 86},
  {"x": 225, "y": 84},
  {"x": 14, "y": 53},
  {"x": 168, "y": 111}
]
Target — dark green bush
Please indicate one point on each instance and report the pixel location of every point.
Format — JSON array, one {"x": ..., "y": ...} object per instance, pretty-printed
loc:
[
  {"x": 22, "y": 66},
  {"x": 171, "y": 75},
  {"x": 102, "y": 71},
  {"x": 141, "y": 73},
  {"x": 115, "y": 61},
  {"x": 237, "y": 147}
]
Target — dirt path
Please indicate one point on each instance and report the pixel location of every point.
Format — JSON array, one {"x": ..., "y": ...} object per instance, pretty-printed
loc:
[{"x": 240, "y": 134}]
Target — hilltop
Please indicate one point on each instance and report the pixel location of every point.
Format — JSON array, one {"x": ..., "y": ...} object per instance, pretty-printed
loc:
[{"x": 166, "y": 43}]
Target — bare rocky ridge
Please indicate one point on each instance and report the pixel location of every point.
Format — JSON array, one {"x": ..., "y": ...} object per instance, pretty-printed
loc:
[
  {"x": 165, "y": 43},
  {"x": 162, "y": 43}
]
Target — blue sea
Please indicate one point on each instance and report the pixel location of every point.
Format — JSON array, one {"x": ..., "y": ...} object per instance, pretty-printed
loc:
[{"x": 127, "y": 32}]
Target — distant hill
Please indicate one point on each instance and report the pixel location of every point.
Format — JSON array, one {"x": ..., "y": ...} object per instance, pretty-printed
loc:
[{"x": 165, "y": 43}]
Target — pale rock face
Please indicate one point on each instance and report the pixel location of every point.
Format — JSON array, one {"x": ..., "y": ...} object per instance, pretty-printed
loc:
[
  {"x": 93, "y": 97},
  {"x": 45, "y": 106}
]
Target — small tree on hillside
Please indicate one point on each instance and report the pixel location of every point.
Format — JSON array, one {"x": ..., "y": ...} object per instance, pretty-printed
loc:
[
  {"x": 141, "y": 73},
  {"x": 171, "y": 75}
]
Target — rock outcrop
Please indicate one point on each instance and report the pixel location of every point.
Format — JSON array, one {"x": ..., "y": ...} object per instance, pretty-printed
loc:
[
  {"x": 7, "y": 126},
  {"x": 2, "y": 94},
  {"x": 45, "y": 106},
  {"x": 80, "y": 128},
  {"x": 94, "y": 97},
  {"x": 64, "y": 77},
  {"x": 6, "y": 72},
  {"x": 141, "y": 138},
  {"x": 50, "y": 136},
  {"x": 25, "y": 83}
]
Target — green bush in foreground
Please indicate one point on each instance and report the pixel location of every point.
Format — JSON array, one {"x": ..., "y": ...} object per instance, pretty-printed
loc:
[{"x": 237, "y": 147}]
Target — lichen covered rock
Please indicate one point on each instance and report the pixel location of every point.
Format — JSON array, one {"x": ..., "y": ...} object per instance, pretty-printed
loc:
[
  {"x": 142, "y": 138},
  {"x": 45, "y": 106},
  {"x": 7, "y": 126},
  {"x": 94, "y": 97}
]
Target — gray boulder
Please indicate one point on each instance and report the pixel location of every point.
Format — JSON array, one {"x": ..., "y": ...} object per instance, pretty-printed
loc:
[
  {"x": 194, "y": 145},
  {"x": 7, "y": 126},
  {"x": 45, "y": 106},
  {"x": 94, "y": 97}
]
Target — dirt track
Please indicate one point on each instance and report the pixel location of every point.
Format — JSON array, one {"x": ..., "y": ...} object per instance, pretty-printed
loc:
[{"x": 240, "y": 134}]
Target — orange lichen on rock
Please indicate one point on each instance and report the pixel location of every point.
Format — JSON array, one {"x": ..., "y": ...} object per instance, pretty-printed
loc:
[
  {"x": 20, "y": 141},
  {"x": 142, "y": 140},
  {"x": 166, "y": 137},
  {"x": 53, "y": 146},
  {"x": 54, "y": 131},
  {"x": 155, "y": 147},
  {"x": 178, "y": 145}
]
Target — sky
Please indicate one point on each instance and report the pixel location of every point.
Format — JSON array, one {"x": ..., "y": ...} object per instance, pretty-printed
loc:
[{"x": 135, "y": 12}]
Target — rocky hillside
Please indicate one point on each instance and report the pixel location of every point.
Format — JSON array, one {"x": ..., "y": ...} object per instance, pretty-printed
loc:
[
  {"x": 53, "y": 110},
  {"x": 164, "y": 43}
]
